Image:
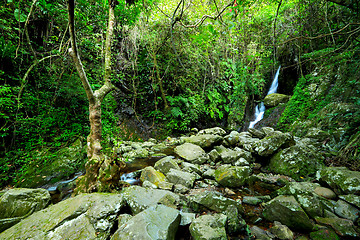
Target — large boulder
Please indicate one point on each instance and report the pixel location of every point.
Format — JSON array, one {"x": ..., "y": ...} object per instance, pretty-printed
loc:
[
  {"x": 19, "y": 203},
  {"x": 288, "y": 211},
  {"x": 139, "y": 198},
  {"x": 343, "y": 227},
  {"x": 340, "y": 179},
  {"x": 233, "y": 138},
  {"x": 204, "y": 140},
  {"x": 165, "y": 164},
  {"x": 215, "y": 131},
  {"x": 86, "y": 216},
  {"x": 232, "y": 176},
  {"x": 152, "y": 175},
  {"x": 191, "y": 153},
  {"x": 209, "y": 227},
  {"x": 272, "y": 143},
  {"x": 274, "y": 99},
  {"x": 156, "y": 222},
  {"x": 180, "y": 177},
  {"x": 297, "y": 161},
  {"x": 228, "y": 155}
]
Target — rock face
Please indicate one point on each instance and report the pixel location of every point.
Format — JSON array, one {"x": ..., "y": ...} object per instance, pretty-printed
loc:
[
  {"x": 209, "y": 227},
  {"x": 156, "y": 222},
  {"x": 19, "y": 203},
  {"x": 232, "y": 176},
  {"x": 274, "y": 99},
  {"x": 87, "y": 216}
]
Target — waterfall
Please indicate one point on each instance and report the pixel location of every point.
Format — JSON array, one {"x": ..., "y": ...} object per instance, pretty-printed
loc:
[{"x": 260, "y": 108}]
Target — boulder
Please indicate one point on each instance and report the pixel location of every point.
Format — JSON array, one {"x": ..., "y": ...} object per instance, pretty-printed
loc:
[
  {"x": 297, "y": 161},
  {"x": 288, "y": 211},
  {"x": 191, "y": 168},
  {"x": 340, "y": 179},
  {"x": 281, "y": 231},
  {"x": 139, "y": 198},
  {"x": 228, "y": 155},
  {"x": 352, "y": 199},
  {"x": 232, "y": 176},
  {"x": 274, "y": 99},
  {"x": 234, "y": 221},
  {"x": 256, "y": 133},
  {"x": 343, "y": 227},
  {"x": 261, "y": 234},
  {"x": 137, "y": 153},
  {"x": 180, "y": 177},
  {"x": 209, "y": 227},
  {"x": 214, "y": 156},
  {"x": 233, "y": 138},
  {"x": 156, "y": 222},
  {"x": 151, "y": 175},
  {"x": 272, "y": 143},
  {"x": 191, "y": 153},
  {"x": 86, "y": 216},
  {"x": 165, "y": 164},
  {"x": 345, "y": 210},
  {"x": 325, "y": 192},
  {"x": 216, "y": 131},
  {"x": 187, "y": 218},
  {"x": 19, "y": 203},
  {"x": 324, "y": 234},
  {"x": 204, "y": 140}
]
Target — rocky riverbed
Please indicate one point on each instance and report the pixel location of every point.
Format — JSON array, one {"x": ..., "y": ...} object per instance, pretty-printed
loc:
[{"x": 260, "y": 184}]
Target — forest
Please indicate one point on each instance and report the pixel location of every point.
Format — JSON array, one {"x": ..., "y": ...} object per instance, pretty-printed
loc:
[{"x": 82, "y": 82}]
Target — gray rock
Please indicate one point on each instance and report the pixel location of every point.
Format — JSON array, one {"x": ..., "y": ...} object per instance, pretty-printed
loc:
[
  {"x": 210, "y": 173},
  {"x": 216, "y": 131},
  {"x": 267, "y": 130},
  {"x": 256, "y": 133},
  {"x": 272, "y": 143},
  {"x": 179, "y": 188},
  {"x": 166, "y": 185},
  {"x": 340, "y": 179},
  {"x": 86, "y": 216},
  {"x": 274, "y": 99},
  {"x": 351, "y": 198},
  {"x": 345, "y": 210},
  {"x": 156, "y": 222},
  {"x": 214, "y": 156},
  {"x": 234, "y": 221},
  {"x": 181, "y": 177},
  {"x": 298, "y": 188},
  {"x": 147, "y": 184},
  {"x": 241, "y": 162},
  {"x": 342, "y": 227},
  {"x": 209, "y": 227},
  {"x": 261, "y": 234},
  {"x": 187, "y": 218},
  {"x": 255, "y": 200},
  {"x": 311, "y": 204},
  {"x": 204, "y": 140},
  {"x": 281, "y": 231},
  {"x": 192, "y": 168},
  {"x": 232, "y": 176},
  {"x": 165, "y": 164},
  {"x": 325, "y": 192},
  {"x": 152, "y": 175},
  {"x": 191, "y": 153},
  {"x": 123, "y": 218},
  {"x": 228, "y": 155},
  {"x": 288, "y": 211},
  {"x": 137, "y": 153},
  {"x": 233, "y": 138},
  {"x": 139, "y": 198}
]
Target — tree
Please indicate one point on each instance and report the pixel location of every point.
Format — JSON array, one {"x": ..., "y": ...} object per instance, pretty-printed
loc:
[{"x": 101, "y": 171}]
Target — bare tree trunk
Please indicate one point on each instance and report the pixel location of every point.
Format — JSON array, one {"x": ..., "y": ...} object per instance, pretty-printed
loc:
[{"x": 101, "y": 172}]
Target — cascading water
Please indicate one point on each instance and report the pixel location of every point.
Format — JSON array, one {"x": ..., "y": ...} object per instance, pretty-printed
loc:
[{"x": 260, "y": 108}]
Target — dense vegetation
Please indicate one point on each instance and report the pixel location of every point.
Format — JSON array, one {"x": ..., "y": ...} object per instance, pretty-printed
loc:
[{"x": 176, "y": 65}]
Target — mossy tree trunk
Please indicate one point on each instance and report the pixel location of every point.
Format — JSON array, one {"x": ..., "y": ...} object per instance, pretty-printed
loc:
[{"x": 101, "y": 172}]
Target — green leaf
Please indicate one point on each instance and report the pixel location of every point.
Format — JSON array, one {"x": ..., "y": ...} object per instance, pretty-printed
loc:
[{"x": 19, "y": 16}]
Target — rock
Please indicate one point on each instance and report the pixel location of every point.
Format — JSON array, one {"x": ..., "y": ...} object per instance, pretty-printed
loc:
[
  {"x": 298, "y": 188},
  {"x": 180, "y": 177},
  {"x": 19, "y": 203},
  {"x": 209, "y": 227},
  {"x": 351, "y": 198},
  {"x": 139, "y": 198},
  {"x": 191, "y": 168},
  {"x": 187, "y": 218},
  {"x": 245, "y": 154},
  {"x": 234, "y": 221},
  {"x": 296, "y": 161},
  {"x": 123, "y": 218},
  {"x": 137, "y": 153},
  {"x": 325, "y": 192},
  {"x": 147, "y": 184},
  {"x": 345, "y": 210},
  {"x": 228, "y": 155},
  {"x": 274, "y": 99},
  {"x": 261, "y": 234},
  {"x": 272, "y": 143},
  {"x": 255, "y": 200},
  {"x": 317, "y": 134},
  {"x": 241, "y": 162},
  {"x": 156, "y": 222},
  {"x": 191, "y": 153},
  {"x": 86, "y": 216},
  {"x": 178, "y": 188},
  {"x": 281, "y": 231},
  {"x": 232, "y": 176},
  {"x": 324, "y": 234},
  {"x": 210, "y": 174},
  {"x": 233, "y": 138},
  {"x": 204, "y": 140},
  {"x": 342, "y": 227},
  {"x": 267, "y": 130},
  {"x": 340, "y": 179},
  {"x": 288, "y": 211},
  {"x": 212, "y": 200},
  {"x": 166, "y": 185},
  {"x": 256, "y": 133},
  {"x": 311, "y": 205},
  {"x": 216, "y": 131},
  {"x": 214, "y": 156},
  {"x": 165, "y": 164},
  {"x": 151, "y": 175}
]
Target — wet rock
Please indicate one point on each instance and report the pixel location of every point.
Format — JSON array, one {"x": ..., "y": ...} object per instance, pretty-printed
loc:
[
  {"x": 212, "y": 200},
  {"x": 152, "y": 175},
  {"x": 296, "y": 161},
  {"x": 255, "y": 200},
  {"x": 345, "y": 210},
  {"x": 325, "y": 192},
  {"x": 272, "y": 143},
  {"x": 181, "y": 177},
  {"x": 351, "y": 198},
  {"x": 191, "y": 153},
  {"x": 232, "y": 176},
  {"x": 204, "y": 140},
  {"x": 233, "y": 138},
  {"x": 139, "y": 198},
  {"x": 340, "y": 179},
  {"x": 19, "y": 203},
  {"x": 274, "y": 99},
  {"x": 209, "y": 227},
  {"x": 261, "y": 234},
  {"x": 281, "y": 231},
  {"x": 342, "y": 227},
  {"x": 86, "y": 216},
  {"x": 216, "y": 131},
  {"x": 298, "y": 188},
  {"x": 288, "y": 211},
  {"x": 234, "y": 221},
  {"x": 324, "y": 234},
  {"x": 156, "y": 222},
  {"x": 165, "y": 164},
  {"x": 228, "y": 155},
  {"x": 312, "y": 205},
  {"x": 256, "y": 133}
]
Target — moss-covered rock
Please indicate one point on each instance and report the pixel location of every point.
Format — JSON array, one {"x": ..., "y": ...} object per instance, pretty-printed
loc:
[
  {"x": 180, "y": 177},
  {"x": 152, "y": 175},
  {"x": 232, "y": 176},
  {"x": 191, "y": 153},
  {"x": 204, "y": 140},
  {"x": 272, "y": 143},
  {"x": 165, "y": 164},
  {"x": 274, "y": 99},
  {"x": 209, "y": 227}
]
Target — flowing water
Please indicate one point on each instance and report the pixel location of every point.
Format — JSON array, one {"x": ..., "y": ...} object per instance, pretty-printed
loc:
[{"x": 260, "y": 108}]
